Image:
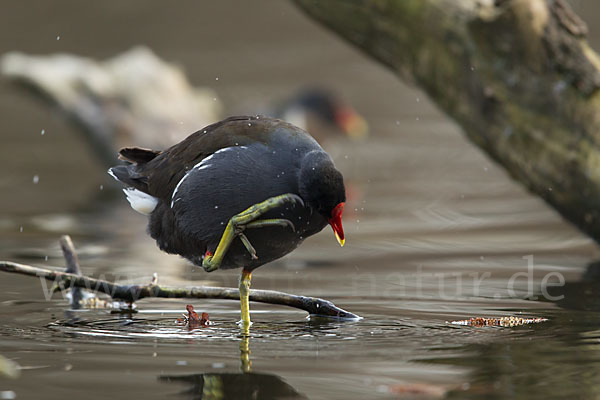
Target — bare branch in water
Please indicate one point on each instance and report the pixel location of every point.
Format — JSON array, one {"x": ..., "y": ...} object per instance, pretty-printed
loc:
[{"x": 131, "y": 293}]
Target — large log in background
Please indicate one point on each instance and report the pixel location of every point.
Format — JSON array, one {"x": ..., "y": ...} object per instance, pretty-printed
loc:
[{"x": 517, "y": 75}]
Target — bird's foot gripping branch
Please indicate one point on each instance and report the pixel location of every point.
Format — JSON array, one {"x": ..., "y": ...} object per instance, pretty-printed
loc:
[{"x": 132, "y": 293}]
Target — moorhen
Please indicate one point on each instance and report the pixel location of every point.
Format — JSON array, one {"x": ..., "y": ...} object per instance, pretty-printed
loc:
[
  {"x": 323, "y": 114},
  {"x": 237, "y": 194}
]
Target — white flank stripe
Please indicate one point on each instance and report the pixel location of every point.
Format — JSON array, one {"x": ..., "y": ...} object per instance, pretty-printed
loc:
[
  {"x": 222, "y": 150},
  {"x": 140, "y": 201},
  {"x": 112, "y": 174},
  {"x": 201, "y": 165}
]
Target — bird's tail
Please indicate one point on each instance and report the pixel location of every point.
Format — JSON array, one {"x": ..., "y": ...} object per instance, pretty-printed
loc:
[
  {"x": 137, "y": 155},
  {"x": 131, "y": 174}
]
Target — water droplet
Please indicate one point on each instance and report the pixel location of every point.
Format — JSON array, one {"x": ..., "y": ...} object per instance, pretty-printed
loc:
[
  {"x": 216, "y": 207},
  {"x": 417, "y": 118},
  {"x": 46, "y": 258},
  {"x": 21, "y": 229},
  {"x": 43, "y": 132},
  {"x": 36, "y": 179},
  {"x": 249, "y": 124},
  {"x": 418, "y": 100},
  {"x": 101, "y": 187},
  {"x": 58, "y": 38},
  {"x": 214, "y": 99},
  {"x": 217, "y": 78}
]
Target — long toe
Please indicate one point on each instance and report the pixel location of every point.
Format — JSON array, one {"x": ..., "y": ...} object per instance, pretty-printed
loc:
[
  {"x": 294, "y": 198},
  {"x": 290, "y": 224}
]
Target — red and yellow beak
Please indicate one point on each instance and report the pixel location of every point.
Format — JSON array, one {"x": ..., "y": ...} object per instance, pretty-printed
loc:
[
  {"x": 351, "y": 123},
  {"x": 336, "y": 223}
]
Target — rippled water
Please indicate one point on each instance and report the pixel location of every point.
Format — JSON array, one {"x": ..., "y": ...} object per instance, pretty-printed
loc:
[{"x": 435, "y": 232}]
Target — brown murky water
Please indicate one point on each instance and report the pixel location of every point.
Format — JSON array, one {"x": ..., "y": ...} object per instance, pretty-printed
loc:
[{"x": 435, "y": 232}]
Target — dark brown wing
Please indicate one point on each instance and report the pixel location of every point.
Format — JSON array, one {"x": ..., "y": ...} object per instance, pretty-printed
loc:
[{"x": 160, "y": 175}]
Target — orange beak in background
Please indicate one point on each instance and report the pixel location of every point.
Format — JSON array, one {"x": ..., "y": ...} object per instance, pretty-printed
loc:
[
  {"x": 336, "y": 223},
  {"x": 351, "y": 123}
]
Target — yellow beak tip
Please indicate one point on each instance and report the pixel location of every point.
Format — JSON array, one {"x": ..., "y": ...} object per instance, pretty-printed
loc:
[{"x": 342, "y": 241}]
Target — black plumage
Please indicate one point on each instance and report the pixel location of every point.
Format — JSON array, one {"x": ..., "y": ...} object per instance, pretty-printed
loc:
[{"x": 198, "y": 185}]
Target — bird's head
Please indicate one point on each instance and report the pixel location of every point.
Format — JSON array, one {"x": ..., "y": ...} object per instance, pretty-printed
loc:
[
  {"x": 332, "y": 111},
  {"x": 322, "y": 187}
]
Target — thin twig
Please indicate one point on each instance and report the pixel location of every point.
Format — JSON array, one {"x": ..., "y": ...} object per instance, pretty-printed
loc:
[
  {"x": 66, "y": 244},
  {"x": 131, "y": 293},
  {"x": 72, "y": 261}
]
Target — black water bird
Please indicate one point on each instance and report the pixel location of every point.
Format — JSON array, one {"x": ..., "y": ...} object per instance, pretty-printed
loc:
[
  {"x": 323, "y": 114},
  {"x": 237, "y": 194}
]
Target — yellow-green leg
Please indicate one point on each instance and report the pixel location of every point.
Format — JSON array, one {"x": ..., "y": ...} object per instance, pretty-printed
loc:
[
  {"x": 245, "y": 278},
  {"x": 248, "y": 219}
]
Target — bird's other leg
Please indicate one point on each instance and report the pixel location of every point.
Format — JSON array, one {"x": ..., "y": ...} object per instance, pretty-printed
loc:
[
  {"x": 248, "y": 219},
  {"x": 245, "y": 278}
]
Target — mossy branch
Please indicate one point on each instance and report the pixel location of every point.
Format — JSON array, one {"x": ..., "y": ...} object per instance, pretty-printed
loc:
[{"x": 518, "y": 75}]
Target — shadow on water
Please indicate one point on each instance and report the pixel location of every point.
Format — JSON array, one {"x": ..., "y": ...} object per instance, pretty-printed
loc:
[{"x": 583, "y": 294}]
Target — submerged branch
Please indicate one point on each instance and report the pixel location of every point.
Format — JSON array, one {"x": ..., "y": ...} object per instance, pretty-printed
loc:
[{"x": 131, "y": 293}]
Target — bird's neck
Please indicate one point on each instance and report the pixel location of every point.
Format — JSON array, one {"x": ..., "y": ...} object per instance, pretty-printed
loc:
[{"x": 314, "y": 167}]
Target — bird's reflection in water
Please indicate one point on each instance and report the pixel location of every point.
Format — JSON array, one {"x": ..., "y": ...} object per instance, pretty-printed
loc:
[
  {"x": 242, "y": 385},
  {"x": 245, "y": 362}
]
